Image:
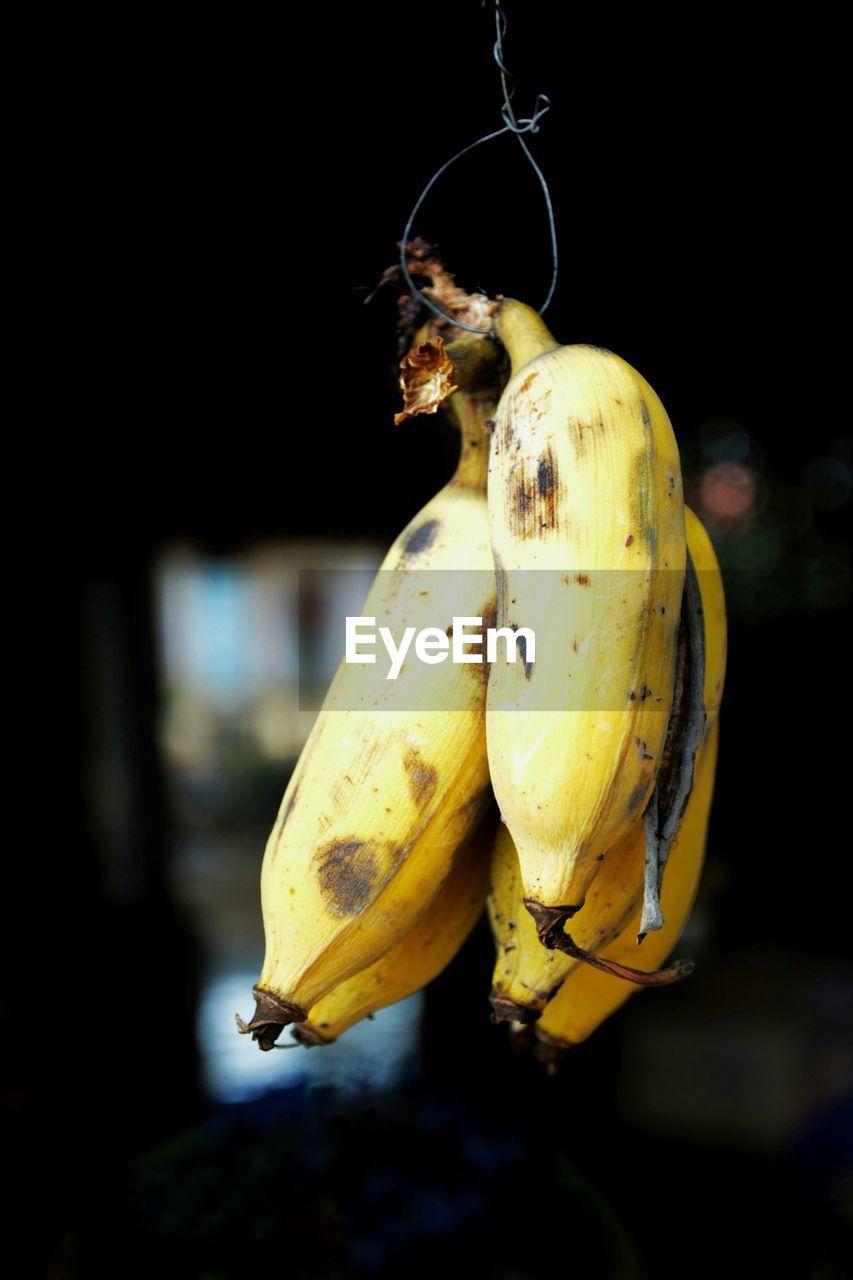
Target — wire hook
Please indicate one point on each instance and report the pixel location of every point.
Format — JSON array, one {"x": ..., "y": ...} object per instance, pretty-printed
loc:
[{"x": 513, "y": 125}]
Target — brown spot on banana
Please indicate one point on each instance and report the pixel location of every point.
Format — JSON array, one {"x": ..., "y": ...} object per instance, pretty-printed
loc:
[
  {"x": 546, "y": 476},
  {"x": 423, "y": 778},
  {"x": 536, "y": 497},
  {"x": 422, "y": 538},
  {"x": 337, "y": 796},
  {"x": 347, "y": 872},
  {"x": 521, "y": 643},
  {"x": 638, "y": 795},
  {"x": 521, "y": 648},
  {"x": 540, "y": 406},
  {"x": 579, "y": 433}
]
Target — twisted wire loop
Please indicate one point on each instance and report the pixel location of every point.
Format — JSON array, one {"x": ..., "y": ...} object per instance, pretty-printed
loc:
[{"x": 511, "y": 124}]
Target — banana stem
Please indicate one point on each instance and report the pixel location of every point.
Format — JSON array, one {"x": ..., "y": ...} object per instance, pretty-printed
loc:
[
  {"x": 551, "y": 928},
  {"x": 469, "y": 411},
  {"x": 659, "y": 978},
  {"x": 523, "y": 332},
  {"x": 474, "y": 360}
]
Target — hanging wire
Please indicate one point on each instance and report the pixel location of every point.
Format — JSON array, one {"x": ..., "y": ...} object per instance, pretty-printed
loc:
[{"x": 512, "y": 124}]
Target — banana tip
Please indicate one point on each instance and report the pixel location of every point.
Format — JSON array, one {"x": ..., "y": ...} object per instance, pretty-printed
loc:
[
  {"x": 505, "y": 1009},
  {"x": 309, "y": 1036},
  {"x": 550, "y": 1052},
  {"x": 270, "y": 1018},
  {"x": 550, "y": 921}
]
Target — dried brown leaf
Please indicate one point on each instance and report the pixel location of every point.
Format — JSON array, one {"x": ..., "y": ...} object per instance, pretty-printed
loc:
[
  {"x": 426, "y": 379},
  {"x": 439, "y": 286}
]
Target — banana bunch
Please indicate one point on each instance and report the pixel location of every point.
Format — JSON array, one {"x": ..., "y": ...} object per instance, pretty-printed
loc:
[
  {"x": 587, "y": 520},
  {"x": 527, "y": 977},
  {"x": 597, "y": 740},
  {"x": 386, "y": 790}
]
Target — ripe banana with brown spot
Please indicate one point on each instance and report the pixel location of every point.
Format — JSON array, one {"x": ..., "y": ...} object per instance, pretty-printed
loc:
[
  {"x": 588, "y": 997},
  {"x": 587, "y": 521},
  {"x": 526, "y": 975},
  {"x": 418, "y": 957},
  {"x": 387, "y": 789}
]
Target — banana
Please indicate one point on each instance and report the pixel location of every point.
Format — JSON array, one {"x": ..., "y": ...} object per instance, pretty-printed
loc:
[
  {"x": 526, "y": 975},
  {"x": 388, "y": 785},
  {"x": 587, "y": 521},
  {"x": 588, "y": 997},
  {"x": 418, "y": 957}
]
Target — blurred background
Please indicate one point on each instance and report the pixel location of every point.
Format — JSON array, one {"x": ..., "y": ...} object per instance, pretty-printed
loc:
[{"x": 227, "y": 401}]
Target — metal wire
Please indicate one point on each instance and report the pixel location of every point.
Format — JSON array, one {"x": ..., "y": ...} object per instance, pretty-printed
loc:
[{"x": 512, "y": 124}]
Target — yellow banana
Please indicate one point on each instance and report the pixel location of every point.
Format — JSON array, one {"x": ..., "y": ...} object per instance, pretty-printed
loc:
[
  {"x": 588, "y": 996},
  {"x": 418, "y": 957},
  {"x": 526, "y": 975},
  {"x": 587, "y": 521},
  {"x": 387, "y": 787}
]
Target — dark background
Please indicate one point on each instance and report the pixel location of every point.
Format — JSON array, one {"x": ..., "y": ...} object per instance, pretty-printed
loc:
[{"x": 221, "y": 201}]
